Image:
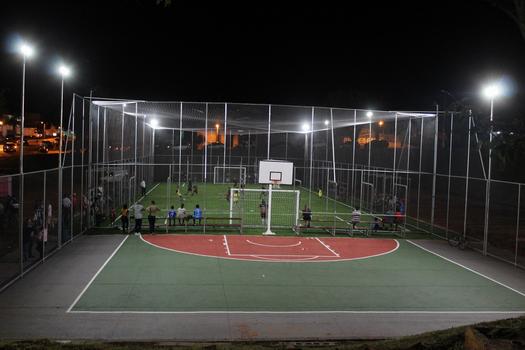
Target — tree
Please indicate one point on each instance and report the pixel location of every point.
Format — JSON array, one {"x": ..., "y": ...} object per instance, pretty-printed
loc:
[{"x": 515, "y": 9}]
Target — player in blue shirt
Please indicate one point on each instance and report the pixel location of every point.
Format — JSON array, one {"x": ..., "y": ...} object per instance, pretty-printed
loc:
[{"x": 197, "y": 214}]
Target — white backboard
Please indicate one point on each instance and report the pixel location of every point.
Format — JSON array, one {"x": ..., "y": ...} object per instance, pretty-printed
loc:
[{"x": 275, "y": 170}]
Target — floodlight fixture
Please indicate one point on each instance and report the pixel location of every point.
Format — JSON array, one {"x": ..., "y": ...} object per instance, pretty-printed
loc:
[
  {"x": 381, "y": 123},
  {"x": 492, "y": 90},
  {"x": 369, "y": 114},
  {"x": 154, "y": 123},
  {"x": 306, "y": 127},
  {"x": 26, "y": 50},
  {"x": 326, "y": 122},
  {"x": 64, "y": 71}
]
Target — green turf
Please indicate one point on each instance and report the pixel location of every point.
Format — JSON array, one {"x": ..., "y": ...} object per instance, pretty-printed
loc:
[{"x": 141, "y": 277}]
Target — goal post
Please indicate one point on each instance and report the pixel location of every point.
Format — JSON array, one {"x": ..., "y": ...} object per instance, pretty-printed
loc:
[
  {"x": 229, "y": 174},
  {"x": 245, "y": 203}
]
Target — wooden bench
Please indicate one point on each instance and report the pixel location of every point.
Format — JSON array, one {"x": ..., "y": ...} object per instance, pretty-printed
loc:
[
  {"x": 319, "y": 226},
  {"x": 213, "y": 222}
]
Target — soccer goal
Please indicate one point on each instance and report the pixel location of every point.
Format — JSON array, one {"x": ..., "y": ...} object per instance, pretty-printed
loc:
[
  {"x": 246, "y": 204},
  {"x": 229, "y": 174}
]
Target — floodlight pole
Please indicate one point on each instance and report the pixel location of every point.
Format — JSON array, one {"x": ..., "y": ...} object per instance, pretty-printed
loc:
[
  {"x": 487, "y": 184},
  {"x": 60, "y": 164},
  {"x": 268, "y": 213},
  {"x": 21, "y": 185}
]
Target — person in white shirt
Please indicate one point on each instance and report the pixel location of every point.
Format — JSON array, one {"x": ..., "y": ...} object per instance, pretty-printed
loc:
[
  {"x": 181, "y": 214},
  {"x": 137, "y": 211},
  {"x": 356, "y": 217},
  {"x": 143, "y": 187}
]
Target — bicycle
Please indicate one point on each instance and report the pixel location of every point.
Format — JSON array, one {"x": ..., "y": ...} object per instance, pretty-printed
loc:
[{"x": 457, "y": 240}]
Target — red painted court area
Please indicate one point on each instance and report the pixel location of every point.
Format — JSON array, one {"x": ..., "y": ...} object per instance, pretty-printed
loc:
[{"x": 274, "y": 249}]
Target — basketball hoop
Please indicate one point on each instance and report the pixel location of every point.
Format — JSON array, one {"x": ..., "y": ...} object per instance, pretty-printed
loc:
[{"x": 276, "y": 183}]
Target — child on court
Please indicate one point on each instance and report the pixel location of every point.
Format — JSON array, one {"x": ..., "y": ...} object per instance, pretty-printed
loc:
[
  {"x": 307, "y": 216},
  {"x": 124, "y": 218},
  {"x": 113, "y": 216},
  {"x": 171, "y": 216},
  {"x": 320, "y": 193},
  {"x": 235, "y": 198},
  {"x": 197, "y": 214},
  {"x": 195, "y": 190}
]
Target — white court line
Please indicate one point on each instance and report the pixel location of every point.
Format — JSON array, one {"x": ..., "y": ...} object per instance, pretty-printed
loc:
[
  {"x": 308, "y": 257},
  {"x": 467, "y": 268},
  {"x": 298, "y": 255},
  {"x": 327, "y": 247},
  {"x": 307, "y": 312},
  {"x": 227, "y": 246},
  {"x": 275, "y": 246},
  {"x": 96, "y": 274}
]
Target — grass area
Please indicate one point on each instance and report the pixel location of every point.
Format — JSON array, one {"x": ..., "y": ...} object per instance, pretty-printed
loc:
[{"x": 212, "y": 198}]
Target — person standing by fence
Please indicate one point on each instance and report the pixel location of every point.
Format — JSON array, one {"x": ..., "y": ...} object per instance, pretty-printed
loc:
[
  {"x": 152, "y": 211},
  {"x": 143, "y": 188}
]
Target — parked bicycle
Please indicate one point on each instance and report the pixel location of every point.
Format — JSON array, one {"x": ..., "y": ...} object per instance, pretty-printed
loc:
[{"x": 457, "y": 240}]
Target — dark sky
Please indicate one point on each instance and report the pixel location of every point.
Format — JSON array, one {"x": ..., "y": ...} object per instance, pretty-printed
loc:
[{"x": 366, "y": 54}]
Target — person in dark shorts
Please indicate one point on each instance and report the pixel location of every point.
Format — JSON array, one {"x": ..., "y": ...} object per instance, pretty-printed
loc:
[
  {"x": 152, "y": 211},
  {"x": 124, "y": 218},
  {"x": 262, "y": 209},
  {"x": 307, "y": 216}
]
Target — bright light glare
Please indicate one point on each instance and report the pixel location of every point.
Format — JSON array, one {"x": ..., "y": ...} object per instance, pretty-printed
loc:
[
  {"x": 217, "y": 126},
  {"x": 381, "y": 123},
  {"x": 26, "y": 50},
  {"x": 154, "y": 123},
  {"x": 306, "y": 127},
  {"x": 326, "y": 122},
  {"x": 369, "y": 114},
  {"x": 492, "y": 91},
  {"x": 64, "y": 71}
]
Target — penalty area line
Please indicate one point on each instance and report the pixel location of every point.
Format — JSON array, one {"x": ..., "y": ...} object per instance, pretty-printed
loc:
[
  {"x": 95, "y": 276},
  {"x": 452, "y": 312}
]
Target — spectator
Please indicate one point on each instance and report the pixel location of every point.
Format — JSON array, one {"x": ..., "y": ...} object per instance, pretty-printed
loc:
[
  {"x": 137, "y": 211},
  {"x": 307, "y": 216},
  {"x": 124, "y": 218},
  {"x": 152, "y": 211},
  {"x": 356, "y": 217},
  {"x": 197, "y": 214},
  {"x": 181, "y": 214},
  {"x": 172, "y": 213},
  {"x": 28, "y": 239},
  {"x": 262, "y": 210},
  {"x": 143, "y": 187}
]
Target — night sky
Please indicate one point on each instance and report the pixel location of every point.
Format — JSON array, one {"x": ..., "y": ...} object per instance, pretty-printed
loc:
[{"x": 373, "y": 54}]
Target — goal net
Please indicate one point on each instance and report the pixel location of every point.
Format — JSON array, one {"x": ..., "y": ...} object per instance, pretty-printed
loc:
[
  {"x": 229, "y": 174},
  {"x": 245, "y": 204}
]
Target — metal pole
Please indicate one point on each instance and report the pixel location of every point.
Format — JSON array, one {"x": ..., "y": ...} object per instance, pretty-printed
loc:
[
  {"x": 517, "y": 226},
  {"x": 436, "y": 131},
  {"x": 73, "y": 136},
  {"x": 90, "y": 158},
  {"x": 269, "y": 129},
  {"x": 487, "y": 184},
  {"x": 311, "y": 157},
  {"x": 394, "y": 168},
  {"x": 82, "y": 168},
  {"x": 419, "y": 171},
  {"x": 449, "y": 170},
  {"x": 135, "y": 151},
  {"x": 285, "y": 147},
  {"x": 353, "y": 157},
  {"x": 467, "y": 176},
  {"x": 180, "y": 142},
  {"x": 21, "y": 184},
  {"x": 333, "y": 146},
  {"x": 225, "y": 140},
  {"x": 60, "y": 165}
]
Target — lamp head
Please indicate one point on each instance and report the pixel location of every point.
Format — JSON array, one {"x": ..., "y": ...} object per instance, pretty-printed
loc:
[
  {"x": 26, "y": 50},
  {"x": 64, "y": 71}
]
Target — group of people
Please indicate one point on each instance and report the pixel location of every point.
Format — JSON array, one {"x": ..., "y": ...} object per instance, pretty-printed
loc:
[{"x": 152, "y": 211}]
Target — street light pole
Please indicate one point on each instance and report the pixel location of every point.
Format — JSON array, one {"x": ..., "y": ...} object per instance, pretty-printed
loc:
[
  {"x": 491, "y": 91},
  {"x": 64, "y": 72}
]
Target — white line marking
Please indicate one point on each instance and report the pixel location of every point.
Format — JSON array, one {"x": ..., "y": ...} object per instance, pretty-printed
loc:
[
  {"x": 298, "y": 255},
  {"x": 327, "y": 247},
  {"x": 274, "y": 246},
  {"x": 96, "y": 274},
  {"x": 304, "y": 312},
  {"x": 283, "y": 260},
  {"x": 227, "y": 246},
  {"x": 467, "y": 268}
]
